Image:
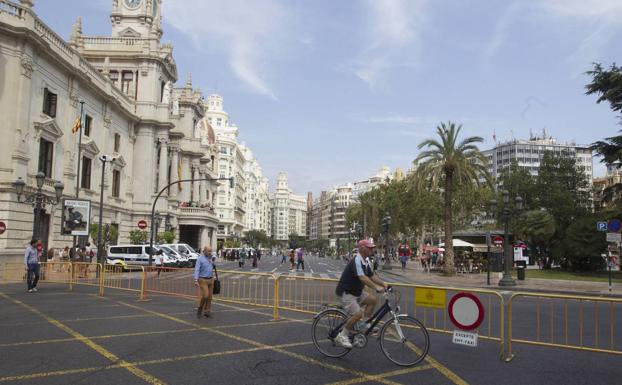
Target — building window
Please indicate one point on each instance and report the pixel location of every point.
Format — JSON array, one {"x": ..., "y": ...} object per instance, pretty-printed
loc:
[
  {"x": 85, "y": 181},
  {"x": 46, "y": 156},
  {"x": 117, "y": 142},
  {"x": 219, "y": 122},
  {"x": 114, "y": 77},
  {"x": 162, "y": 85},
  {"x": 116, "y": 183},
  {"x": 49, "y": 103},
  {"x": 88, "y": 121},
  {"x": 126, "y": 82}
]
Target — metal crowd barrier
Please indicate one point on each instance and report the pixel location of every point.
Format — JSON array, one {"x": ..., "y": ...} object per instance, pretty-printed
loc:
[
  {"x": 565, "y": 321},
  {"x": 547, "y": 320}
]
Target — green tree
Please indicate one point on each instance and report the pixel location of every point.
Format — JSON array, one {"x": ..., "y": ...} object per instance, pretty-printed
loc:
[
  {"x": 537, "y": 228},
  {"x": 109, "y": 234},
  {"x": 255, "y": 238},
  {"x": 450, "y": 163},
  {"x": 563, "y": 191},
  {"x": 166, "y": 237},
  {"x": 138, "y": 237},
  {"x": 583, "y": 245},
  {"x": 519, "y": 182},
  {"x": 607, "y": 84}
]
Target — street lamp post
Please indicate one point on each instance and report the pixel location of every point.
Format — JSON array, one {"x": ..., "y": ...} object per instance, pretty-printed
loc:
[
  {"x": 386, "y": 224},
  {"x": 38, "y": 199},
  {"x": 100, "y": 248},
  {"x": 506, "y": 216},
  {"x": 165, "y": 188}
]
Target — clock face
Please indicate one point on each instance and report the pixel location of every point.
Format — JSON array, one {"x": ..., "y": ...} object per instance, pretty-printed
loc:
[{"x": 132, "y": 3}]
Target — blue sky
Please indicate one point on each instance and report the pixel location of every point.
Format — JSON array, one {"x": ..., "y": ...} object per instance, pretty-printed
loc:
[{"x": 328, "y": 91}]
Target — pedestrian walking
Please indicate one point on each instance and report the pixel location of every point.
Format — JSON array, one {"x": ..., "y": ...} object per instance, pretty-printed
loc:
[
  {"x": 158, "y": 261},
  {"x": 300, "y": 259},
  {"x": 292, "y": 259},
  {"x": 254, "y": 259},
  {"x": 283, "y": 257},
  {"x": 243, "y": 255},
  {"x": 204, "y": 279},
  {"x": 31, "y": 263}
]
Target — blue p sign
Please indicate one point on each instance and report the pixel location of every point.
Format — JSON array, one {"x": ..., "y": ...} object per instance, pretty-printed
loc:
[{"x": 601, "y": 226}]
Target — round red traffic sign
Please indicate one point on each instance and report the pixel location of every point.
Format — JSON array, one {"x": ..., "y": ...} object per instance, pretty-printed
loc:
[
  {"x": 2, "y": 227},
  {"x": 466, "y": 311},
  {"x": 142, "y": 224},
  {"x": 497, "y": 240}
]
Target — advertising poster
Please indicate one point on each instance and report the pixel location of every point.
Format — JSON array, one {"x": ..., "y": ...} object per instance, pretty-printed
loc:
[{"x": 76, "y": 217}]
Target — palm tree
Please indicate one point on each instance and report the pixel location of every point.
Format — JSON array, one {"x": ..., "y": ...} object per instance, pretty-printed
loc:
[{"x": 451, "y": 162}]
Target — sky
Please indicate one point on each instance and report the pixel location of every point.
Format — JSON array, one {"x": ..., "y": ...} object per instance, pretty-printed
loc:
[{"x": 329, "y": 91}]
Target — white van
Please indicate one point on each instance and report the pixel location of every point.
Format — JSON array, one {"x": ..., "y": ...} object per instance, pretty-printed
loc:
[
  {"x": 129, "y": 255},
  {"x": 185, "y": 250}
]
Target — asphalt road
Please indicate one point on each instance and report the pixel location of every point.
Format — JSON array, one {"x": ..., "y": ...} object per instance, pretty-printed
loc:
[{"x": 56, "y": 336}]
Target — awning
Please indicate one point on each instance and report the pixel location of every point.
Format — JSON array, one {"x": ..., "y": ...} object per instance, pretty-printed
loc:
[{"x": 459, "y": 243}]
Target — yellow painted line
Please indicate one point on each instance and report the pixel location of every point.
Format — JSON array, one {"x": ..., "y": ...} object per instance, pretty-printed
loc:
[
  {"x": 383, "y": 375},
  {"x": 143, "y": 363},
  {"x": 99, "y": 349},
  {"x": 40, "y": 342},
  {"x": 301, "y": 357},
  {"x": 445, "y": 371}
]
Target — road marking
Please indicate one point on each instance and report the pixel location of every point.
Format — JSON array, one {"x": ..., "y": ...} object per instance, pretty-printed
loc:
[
  {"x": 382, "y": 375},
  {"x": 301, "y": 357},
  {"x": 99, "y": 349},
  {"x": 311, "y": 271},
  {"x": 145, "y": 363},
  {"x": 275, "y": 269}
]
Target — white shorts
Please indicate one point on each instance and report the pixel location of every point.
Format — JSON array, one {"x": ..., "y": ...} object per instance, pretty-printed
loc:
[{"x": 351, "y": 303}]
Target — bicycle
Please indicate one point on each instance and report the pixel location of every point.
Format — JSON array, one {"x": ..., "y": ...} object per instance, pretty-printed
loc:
[{"x": 401, "y": 335}]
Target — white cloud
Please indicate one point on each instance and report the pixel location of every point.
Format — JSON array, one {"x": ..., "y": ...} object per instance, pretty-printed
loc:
[
  {"x": 393, "y": 27},
  {"x": 250, "y": 33}
]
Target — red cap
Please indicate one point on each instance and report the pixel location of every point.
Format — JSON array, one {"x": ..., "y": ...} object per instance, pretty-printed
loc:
[{"x": 366, "y": 243}]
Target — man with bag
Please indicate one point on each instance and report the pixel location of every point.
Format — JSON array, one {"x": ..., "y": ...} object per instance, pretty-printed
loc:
[{"x": 204, "y": 278}]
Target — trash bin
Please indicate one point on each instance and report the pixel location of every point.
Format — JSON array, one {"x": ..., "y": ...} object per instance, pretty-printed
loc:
[
  {"x": 521, "y": 266},
  {"x": 520, "y": 273}
]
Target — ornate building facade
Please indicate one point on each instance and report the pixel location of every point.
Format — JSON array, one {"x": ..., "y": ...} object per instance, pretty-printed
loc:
[
  {"x": 289, "y": 211},
  {"x": 132, "y": 111}
]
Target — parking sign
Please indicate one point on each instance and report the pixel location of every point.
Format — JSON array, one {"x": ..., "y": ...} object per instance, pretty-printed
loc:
[{"x": 601, "y": 226}]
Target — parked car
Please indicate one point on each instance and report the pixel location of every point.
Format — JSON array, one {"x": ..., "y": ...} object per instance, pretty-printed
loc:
[
  {"x": 185, "y": 250},
  {"x": 182, "y": 260},
  {"x": 128, "y": 255}
]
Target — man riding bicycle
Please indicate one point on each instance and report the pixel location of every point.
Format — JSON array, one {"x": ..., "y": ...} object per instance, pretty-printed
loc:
[{"x": 357, "y": 274}]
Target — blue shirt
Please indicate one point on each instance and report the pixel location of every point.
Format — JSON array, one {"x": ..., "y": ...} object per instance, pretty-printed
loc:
[
  {"x": 204, "y": 268},
  {"x": 30, "y": 256}
]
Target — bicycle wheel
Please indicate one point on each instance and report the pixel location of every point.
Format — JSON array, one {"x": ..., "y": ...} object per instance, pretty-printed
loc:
[
  {"x": 325, "y": 328},
  {"x": 406, "y": 342}
]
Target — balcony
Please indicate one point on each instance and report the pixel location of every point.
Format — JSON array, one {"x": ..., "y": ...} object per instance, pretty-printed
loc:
[{"x": 196, "y": 215}]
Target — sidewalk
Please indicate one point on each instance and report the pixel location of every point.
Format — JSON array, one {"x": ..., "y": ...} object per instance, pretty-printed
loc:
[{"x": 415, "y": 273}]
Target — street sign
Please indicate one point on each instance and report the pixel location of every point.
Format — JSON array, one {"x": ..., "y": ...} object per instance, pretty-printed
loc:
[
  {"x": 614, "y": 225},
  {"x": 466, "y": 311},
  {"x": 2, "y": 227},
  {"x": 601, "y": 226},
  {"x": 430, "y": 297},
  {"x": 142, "y": 224},
  {"x": 614, "y": 237},
  {"x": 497, "y": 240},
  {"x": 465, "y": 338}
]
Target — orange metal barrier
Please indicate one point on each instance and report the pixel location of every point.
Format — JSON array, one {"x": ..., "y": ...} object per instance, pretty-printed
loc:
[
  {"x": 565, "y": 321},
  {"x": 120, "y": 277},
  {"x": 52, "y": 272},
  {"x": 236, "y": 286}
]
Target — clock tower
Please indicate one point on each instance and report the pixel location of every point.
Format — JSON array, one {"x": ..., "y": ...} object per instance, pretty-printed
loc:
[{"x": 136, "y": 18}]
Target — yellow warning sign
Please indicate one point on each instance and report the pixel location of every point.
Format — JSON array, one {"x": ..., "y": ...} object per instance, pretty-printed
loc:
[{"x": 430, "y": 297}]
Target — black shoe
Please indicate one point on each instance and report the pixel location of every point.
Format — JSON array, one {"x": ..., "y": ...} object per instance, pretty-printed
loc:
[{"x": 207, "y": 315}]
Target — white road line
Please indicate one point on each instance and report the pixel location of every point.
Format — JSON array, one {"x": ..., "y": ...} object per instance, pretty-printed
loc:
[
  {"x": 275, "y": 269},
  {"x": 311, "y": 271}
]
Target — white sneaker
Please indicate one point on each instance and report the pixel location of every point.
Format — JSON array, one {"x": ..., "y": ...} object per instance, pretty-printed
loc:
[
  {"x": 34, "y": 289},
  {"x": 30, "y": 290},
  {"x": 343, "y": 341}
]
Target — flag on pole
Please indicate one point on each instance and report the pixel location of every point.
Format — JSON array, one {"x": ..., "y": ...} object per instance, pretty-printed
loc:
[{"x": 76, "y": 126}]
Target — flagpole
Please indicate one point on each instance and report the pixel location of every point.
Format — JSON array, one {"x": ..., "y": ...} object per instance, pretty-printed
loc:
[{"x": 75, "y": 238}]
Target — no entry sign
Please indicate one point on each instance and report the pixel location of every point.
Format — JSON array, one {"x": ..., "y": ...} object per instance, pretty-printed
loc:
[
  {"x": 497, "y": 240},
  {"x": 466, "y": 311},
  {"x": 2, "y": 227},
  {"x": 142, "y": 224}
]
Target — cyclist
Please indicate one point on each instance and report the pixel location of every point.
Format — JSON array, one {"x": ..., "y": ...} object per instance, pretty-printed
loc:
[{"x": 357, "y": 274}]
